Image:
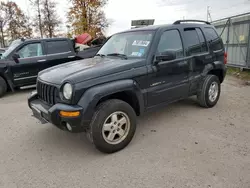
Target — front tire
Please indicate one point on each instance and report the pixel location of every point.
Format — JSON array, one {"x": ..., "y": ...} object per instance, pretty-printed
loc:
[
  {"x": 209, "y": 92},
  {"x": 3, "y": 87},
  {"x": 113, "y": 126}
]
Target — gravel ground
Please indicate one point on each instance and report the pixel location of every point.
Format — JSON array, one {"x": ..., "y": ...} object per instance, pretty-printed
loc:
[{"x": 181, "y": 145}]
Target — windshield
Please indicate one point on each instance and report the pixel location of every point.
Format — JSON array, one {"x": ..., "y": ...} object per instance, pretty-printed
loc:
[
  {"x": 13, "y": 45},
  {"x": 131, "y": 44}
]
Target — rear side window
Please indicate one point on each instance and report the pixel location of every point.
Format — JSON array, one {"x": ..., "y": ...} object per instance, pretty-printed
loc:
[
  {"x": 214, "y": 41},
  {"x": 202, "y": 40},
  {"x": 55, "y": 47},
  {"x": 193, "y": 43}
]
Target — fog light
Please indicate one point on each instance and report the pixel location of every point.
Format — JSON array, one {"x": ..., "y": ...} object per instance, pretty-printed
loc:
[{"x": 68, "y": 127}]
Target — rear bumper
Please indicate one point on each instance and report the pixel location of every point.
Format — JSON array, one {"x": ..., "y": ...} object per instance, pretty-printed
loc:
[{"x": 46, "y": 113}]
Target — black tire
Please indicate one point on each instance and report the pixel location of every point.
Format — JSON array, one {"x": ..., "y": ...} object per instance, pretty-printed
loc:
[
  {"x": 104, "y": 110},
  {"x": 3, "y": 87},
  {"x": 203, "y": 93}
]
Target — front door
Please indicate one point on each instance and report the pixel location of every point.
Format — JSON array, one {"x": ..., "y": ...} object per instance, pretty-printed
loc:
[
  {"x": 168, "y": 80},
  {"x": 30, "y": 63}
]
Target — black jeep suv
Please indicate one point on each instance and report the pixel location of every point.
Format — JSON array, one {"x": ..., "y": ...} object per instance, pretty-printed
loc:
[{"x": 134, "y": 71}]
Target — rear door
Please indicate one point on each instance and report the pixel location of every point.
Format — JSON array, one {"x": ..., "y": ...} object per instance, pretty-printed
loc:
[
  {"x": 30, "y": 63},
  {"x": 197, "y": 53},
  {"x": 58, "y": 52}
]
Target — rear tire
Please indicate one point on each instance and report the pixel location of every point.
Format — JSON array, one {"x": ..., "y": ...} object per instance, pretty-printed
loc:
[
  {"x": 113, "y": 126},
  {"x": 3, "y": 87},
  {"x": 209, "y": 91}
]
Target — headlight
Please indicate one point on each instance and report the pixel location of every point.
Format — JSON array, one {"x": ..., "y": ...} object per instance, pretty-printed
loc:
[{"x": 67, "y": 91}]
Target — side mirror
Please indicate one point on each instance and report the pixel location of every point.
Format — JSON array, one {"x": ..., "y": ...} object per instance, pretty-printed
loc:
[
  {"x": 166, "y": 56},
  {"x": 16, "y": 57}
]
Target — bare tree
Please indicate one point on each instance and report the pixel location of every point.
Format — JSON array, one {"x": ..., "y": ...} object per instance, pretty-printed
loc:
[
  {"x": 50, "y": 19},
  {"x": 4, "y": 18},
  {"x": 13, "y": 22},
  {"x": 36, "y": 4}
]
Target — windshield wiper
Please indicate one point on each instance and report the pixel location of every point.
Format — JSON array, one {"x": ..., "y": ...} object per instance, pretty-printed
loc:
[
  {"x": 101, "y": 55},
  {"x": 118, "y": 55}
]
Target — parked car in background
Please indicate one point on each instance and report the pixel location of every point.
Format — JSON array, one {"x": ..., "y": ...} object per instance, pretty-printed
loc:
[
  {"x": 21, "y": 62},
  {"x": 134, "y": 71}
]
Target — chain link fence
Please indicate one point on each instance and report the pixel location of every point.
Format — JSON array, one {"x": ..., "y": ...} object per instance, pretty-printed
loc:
[{"x": 235, "y": 33}]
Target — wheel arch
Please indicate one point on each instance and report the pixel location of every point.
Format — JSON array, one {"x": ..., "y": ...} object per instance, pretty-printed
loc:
[
  {"x": 127, "y": 96},
  {"x": 125, "y": 90},
  {"x": 6, "y": 81},
  {"x": 218, "y": 73},
  {"x": 217, "y": 68}
]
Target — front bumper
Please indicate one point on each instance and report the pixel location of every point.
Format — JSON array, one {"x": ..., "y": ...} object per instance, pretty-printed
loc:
[{"x": 46, "y": 113}]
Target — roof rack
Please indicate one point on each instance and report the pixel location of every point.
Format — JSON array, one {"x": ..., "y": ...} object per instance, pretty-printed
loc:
[{"x": 179, "y": 21}]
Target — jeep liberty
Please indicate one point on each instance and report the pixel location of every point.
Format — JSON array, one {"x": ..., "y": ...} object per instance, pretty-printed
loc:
[{"x": 135, "y": 71}]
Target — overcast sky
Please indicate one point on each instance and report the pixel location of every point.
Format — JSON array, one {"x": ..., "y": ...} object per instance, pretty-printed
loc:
[{"x": 121, "y": 12}]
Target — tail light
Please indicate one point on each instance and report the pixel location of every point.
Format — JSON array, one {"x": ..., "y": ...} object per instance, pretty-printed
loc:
[{"x": 225, "y": 58}]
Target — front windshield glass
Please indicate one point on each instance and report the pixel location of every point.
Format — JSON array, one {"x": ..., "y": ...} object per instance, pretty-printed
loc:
[
  {"x": 134, "y": 44},
  {"x": 13, "y": 45}
]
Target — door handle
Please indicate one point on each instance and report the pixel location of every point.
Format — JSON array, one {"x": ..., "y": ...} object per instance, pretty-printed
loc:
[
  {"x": 41, "y": 60},
  {"x": 72, "y": 56}
]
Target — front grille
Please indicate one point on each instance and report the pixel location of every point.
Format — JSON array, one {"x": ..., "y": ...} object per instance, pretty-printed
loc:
[{"x": 47, "y": 93}]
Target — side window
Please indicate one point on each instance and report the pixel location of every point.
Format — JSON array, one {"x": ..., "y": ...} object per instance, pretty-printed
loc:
[
  {"x": 171, "y": 41},
  {"x": 192, "y": 41},
  {"x": 60, "y": 46},
  {"x": 214, "y": 41},
  {"x": 31, "y": 50},
  {"x": 202, "y": 40}
]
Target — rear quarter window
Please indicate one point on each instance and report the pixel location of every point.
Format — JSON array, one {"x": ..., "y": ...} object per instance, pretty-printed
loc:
[
  {"x": 213, "y": 39},
  {"x": 55, "y": 47}
]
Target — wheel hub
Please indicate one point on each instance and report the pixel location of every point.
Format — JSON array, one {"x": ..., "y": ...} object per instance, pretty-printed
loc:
[
  {"x": 213, "y": 91},
  {"x": 116, "y": 127}
]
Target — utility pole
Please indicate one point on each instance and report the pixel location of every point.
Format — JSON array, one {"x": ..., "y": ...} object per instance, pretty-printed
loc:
[
  {"x": 39, "y": 17},
  {"x": 208, "y": 14},
  {"x": 36, "y": 4},
  {"x": 28, "y": 13}
]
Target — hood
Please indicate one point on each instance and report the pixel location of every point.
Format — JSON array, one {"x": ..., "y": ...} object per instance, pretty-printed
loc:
[{"x": 86, "y": 69}]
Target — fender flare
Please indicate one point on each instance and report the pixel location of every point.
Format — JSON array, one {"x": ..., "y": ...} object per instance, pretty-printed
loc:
[
  {"x": 215, "y": 65},
  {"x": 93, "y": 95},
  {"x": 9, "y": 82},
  {"x": 219, "y": 65}
]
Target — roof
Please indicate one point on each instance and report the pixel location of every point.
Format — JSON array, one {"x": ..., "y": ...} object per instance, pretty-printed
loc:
[
  {"x": 152, "y": 27},
  {"x": 147, "y": 28},
  {"x": 46, "y": 39},
  {"x": 178, "y": 23}
]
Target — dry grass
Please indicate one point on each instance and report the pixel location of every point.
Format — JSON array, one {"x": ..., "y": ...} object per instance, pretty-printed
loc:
[{"x": 243, "y": 75}]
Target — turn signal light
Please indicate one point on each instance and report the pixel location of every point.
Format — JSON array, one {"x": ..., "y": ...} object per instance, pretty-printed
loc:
[{"x": 69, "y": 114}]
